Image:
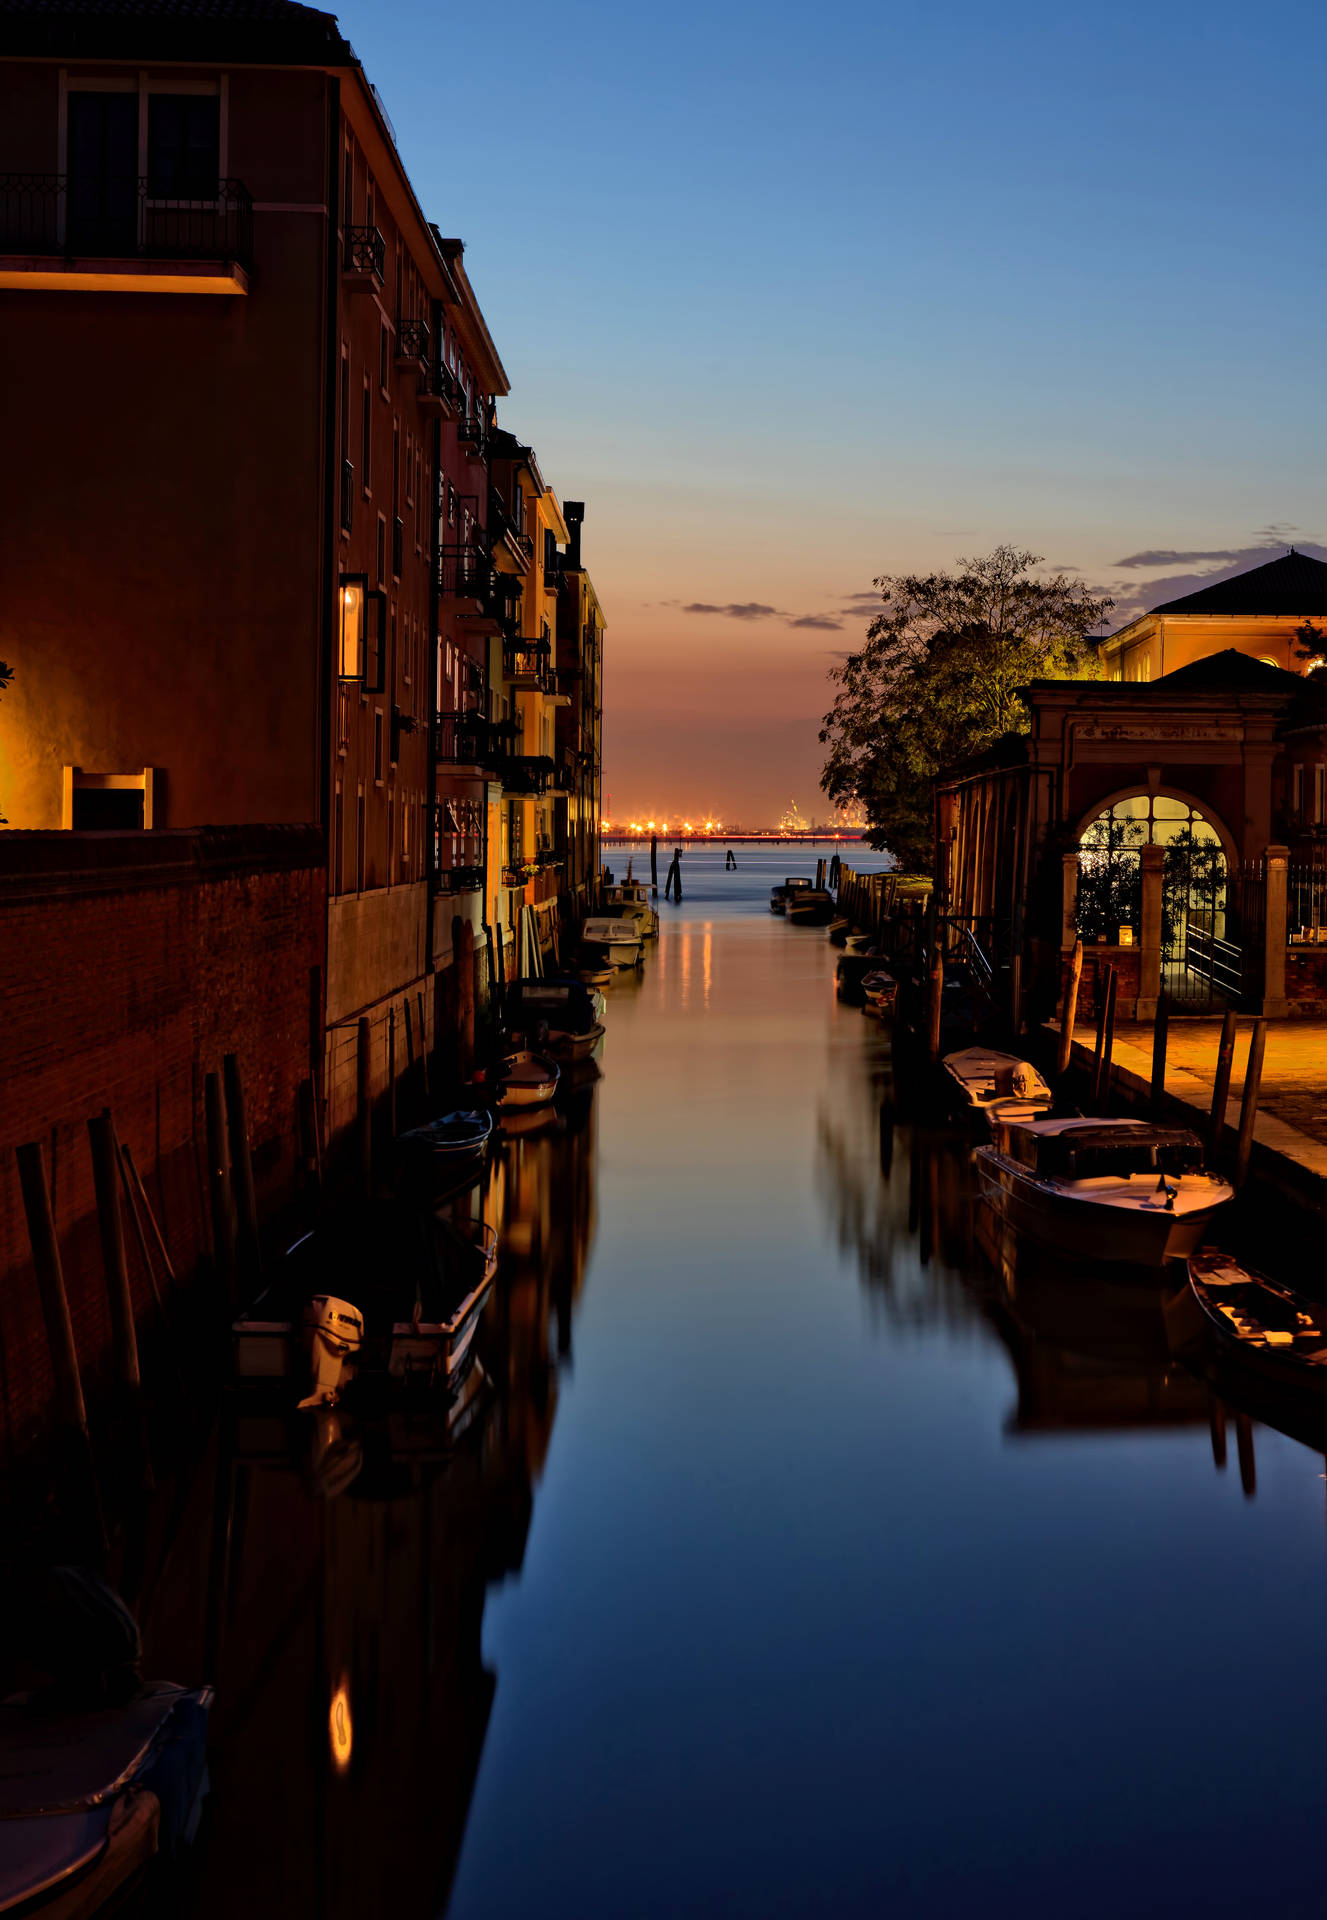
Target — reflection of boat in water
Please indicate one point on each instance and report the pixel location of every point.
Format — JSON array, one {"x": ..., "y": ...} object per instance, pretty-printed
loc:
[
  {"x": 1101, "y": 1189},
  {"x": 997, "y": 1086}
]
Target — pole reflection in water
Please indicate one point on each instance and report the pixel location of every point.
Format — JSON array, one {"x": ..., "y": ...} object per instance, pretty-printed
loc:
[{"x": 861, "y": 1563}]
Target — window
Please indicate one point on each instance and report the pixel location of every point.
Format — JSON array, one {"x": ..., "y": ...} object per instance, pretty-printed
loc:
[
  {"x": 347, "y": 467},
  {"x": 1319, "y": 795},
  {"x": 1297, "y": 789},
  {"x": 382, "y": 549},
  {"x": 360, "y": 847},
  {"x": 348, "y": 187},
  {"x": 410, "y": 470},
  {"x": 99, "y": 802},
  {"x": 338, "y": 843},
  {"x": 378, "y": 757},
  {"x": 366, "y": 441},
  {"x": 384, "y": 354},
  {"x": 183, "y": 146}
]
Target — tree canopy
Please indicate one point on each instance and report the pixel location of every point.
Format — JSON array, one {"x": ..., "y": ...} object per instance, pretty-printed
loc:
[{"x": 937, "y": 679}]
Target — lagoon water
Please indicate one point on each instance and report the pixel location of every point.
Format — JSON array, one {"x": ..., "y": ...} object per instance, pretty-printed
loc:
[{"x": 810, "y": 1551}]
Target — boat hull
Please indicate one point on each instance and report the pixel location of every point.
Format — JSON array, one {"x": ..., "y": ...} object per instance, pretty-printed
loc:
[{"x": 1081, "y": 1229}]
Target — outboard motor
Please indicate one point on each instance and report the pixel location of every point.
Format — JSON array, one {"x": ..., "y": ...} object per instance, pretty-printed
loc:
[{"x": 333, "y": 1335}]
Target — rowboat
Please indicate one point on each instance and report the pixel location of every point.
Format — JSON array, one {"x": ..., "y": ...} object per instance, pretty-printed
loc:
[
  {"x": 881, "y": 993},
  {"x": 612, "y": 942},
  {"x": 998, "y": 1086},
  {"x": 453, "y": 1140},
  {"x": 810, "y": 907},
  {"x": 780, "y": 896},
  {"x": 88, "y": 1798},
  {"x": 520, "y": 1079},
  {"x": 1101, "y": 1190},
  {"x": 574, "y": 1046},
  {"x": 1265, "y": 1326}
]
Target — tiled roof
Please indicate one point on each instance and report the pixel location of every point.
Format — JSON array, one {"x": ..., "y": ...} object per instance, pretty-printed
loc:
[
  {"x": 1295, "y": 583},
  {"x": 277, "y": 30},
  {"x": 1232, "y": 670}
]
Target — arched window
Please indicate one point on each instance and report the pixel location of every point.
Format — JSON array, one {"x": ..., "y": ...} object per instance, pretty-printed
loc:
[{"x": 1110, "y": 869}]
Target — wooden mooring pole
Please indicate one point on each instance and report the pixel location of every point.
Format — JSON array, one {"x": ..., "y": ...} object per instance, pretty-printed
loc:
[
  {"x": 1248, "y": 1106},
  {"x": 1099, "y": 991},
  {"x": 1225, "y": 1055},
  {"x": 106, "y": 1182},
  {"x": 391, "y": 1065},
  {"x": 1069, "y": 1011},
  {"x": 248, "y": 1246},
  {"x": 1160, "y": 1036},
  {"x": 218, "y": 1183},
  {"x": 364, "y": 1102},
  {"x": 1101, "y": 1090},
  {"x": 934, "y": 1003},
  {"x": 69, "y": 1403}
]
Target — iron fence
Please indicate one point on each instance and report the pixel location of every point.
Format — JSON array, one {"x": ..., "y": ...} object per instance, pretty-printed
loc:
[{"x": 114, "y": 216}]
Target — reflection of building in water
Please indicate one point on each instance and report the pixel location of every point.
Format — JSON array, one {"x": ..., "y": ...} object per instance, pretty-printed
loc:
[
  {"x": 1090, "y": 1352},
  {"x": 350, "y": 1559}
]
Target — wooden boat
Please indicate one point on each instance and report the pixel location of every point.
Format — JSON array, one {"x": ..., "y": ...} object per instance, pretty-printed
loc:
[
  {"x": 88, "y": 1798},
  {"x": 612, "y": 942},
  {"x": 564, "y": 1006},
  {"x": 860, "y": 943},
  {"x": 881, "y": 993},
  {"x": 416, "y": 1285},
  {"x": 779, "y": 896},
  {"x": 1267, "y": 1327},
  {"x": 838, "y": 931},
  {"x": 452, "y": 1140},
  {"x": 574, "y": 1046},
  {"x": 810, "y": 907},
  {"x": 520, "y": 1079},
  {"x": 596, "y": 976},
  {"x": 630, "y": 900},
  {"x": 852, "y": 968},
  {"x": 1101, "y": 1190},
  {"x": 998, "y": 1086}
]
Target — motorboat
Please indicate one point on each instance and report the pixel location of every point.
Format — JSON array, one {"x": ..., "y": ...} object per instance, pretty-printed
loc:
[
  {"x": 630, "y": 900},
  {"x": 451, "y": 1141},
  {"x": 1268, "y": 1327},
  {"x": 612, "y": 942},
  {"x": 810, "y": 907},
  {"x": 998, "y": 1086},
  {"x": 781, "y": 895},
  {"x": 852, "y": 968},
  {"x": 519, "y": 1079},
  {"x": 1101, "y": 1190},
  {"x": 880, "y": 991},
  {"x": 838, "y": 931},
  {"x": 393, "y": 1299},
  {"x": 89, "y": 1797},
  {"x": 564, "y": 1006}
]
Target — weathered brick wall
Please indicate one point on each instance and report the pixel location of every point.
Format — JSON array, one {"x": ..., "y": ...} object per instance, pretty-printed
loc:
[{"x": 129, "y": 965}]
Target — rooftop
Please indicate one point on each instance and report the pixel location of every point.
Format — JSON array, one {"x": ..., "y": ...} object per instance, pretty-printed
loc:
[
  {"x": 1294, "y": 584},
  {"x": 267, "y": 30}
]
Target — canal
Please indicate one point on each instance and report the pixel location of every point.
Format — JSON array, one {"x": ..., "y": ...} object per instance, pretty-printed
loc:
[{"x": 806, "y": 1551}]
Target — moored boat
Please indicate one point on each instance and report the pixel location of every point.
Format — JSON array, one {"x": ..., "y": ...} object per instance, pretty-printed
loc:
[
  {"x": 574, "y": 1046},
  {"x": 810, "y": 907},
  {"x": 780, "y": 896},
  {"x": 838, "y": 930},
  {"x": 630, "y": 900},
  {"x": 998, "y": 1086},
  {"x": 611, "y": 942},
  {"x": 451, "y": 1141},
  {"x": 1101, "y": 1190},
  {"x": 520, "y": 1079},
  {"x": 1251, "y": 1320},
  {"x": 880, "y": 991}
]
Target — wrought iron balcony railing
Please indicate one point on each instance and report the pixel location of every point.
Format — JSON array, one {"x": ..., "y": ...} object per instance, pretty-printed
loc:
[
  {"x": 528, "y": 662},
  {"x": 412, "y": 343},
  {"x": 452, "y": 880},
  {"x": 470, "y": 428},
  {"x": 464, "y": 573},
  {"x": 123, "y": 216},
  {"x": 364, "y": 252},
  {"x": 471, "y": 740},
  {"x": 525, "y": 773}
]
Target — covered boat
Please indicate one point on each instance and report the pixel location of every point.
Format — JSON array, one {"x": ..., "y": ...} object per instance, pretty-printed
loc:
[
  {"x": 780, "y": 896},
  {"x": 630, "y": 900},
  {"x": 520, "y": 1079},
  {"x": 1252, "y": 1320},
  {"x": 1101, "y": 1190},
  {"x": 998, "y": 1086},
  {"x": 562, "y": 1005},
  {"x": 611, "y": 942},
  {"x": 811, "y": 907}
]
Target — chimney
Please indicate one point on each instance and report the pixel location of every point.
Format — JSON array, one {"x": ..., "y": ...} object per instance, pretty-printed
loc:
[{"x": 573, "y": 512}]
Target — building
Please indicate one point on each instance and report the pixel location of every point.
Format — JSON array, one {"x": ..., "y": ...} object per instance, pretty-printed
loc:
[
  {"x": 1177, "y": 824},
  {"x": 1255, "y": 613},
  {"x": 580, "y": 668}
]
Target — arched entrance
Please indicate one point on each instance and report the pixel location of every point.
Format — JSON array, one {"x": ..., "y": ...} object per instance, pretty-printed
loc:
[{"x": 1201, "y": 959}]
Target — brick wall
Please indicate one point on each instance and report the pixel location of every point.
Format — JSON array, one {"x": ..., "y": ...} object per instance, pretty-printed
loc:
[{"x": 129, "y": 965}]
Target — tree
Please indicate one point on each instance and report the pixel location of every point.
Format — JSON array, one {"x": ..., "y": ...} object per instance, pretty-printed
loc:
[
  {"x": 937, "y": 679},
  {"x": 1311, "y": 648}
]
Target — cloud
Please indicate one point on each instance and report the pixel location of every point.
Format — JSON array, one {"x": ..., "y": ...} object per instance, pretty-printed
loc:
[
  {"x": 738, "y": 610},
  {"x": 870, "y": 598},
  {"x": 819, "y": 620},
  {"x": 1171, "y": 557}
]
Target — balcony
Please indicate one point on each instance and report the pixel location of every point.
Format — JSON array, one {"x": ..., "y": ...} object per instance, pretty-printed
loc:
[
  {"x": 471, "y": 431},
  {"x": 454, "y": 880},
  {"x": 468, "y": 739},
  {"x": 436, "y": 391},
  {"x": 526, "y": 663},
  {"x": 111, "y": 233},
  {"x": 363, "y": 257},
  {"x": 412, "y": 346},
  {"x": 464, "y": 573},
  {"x": 526, "y": 774},
  {"x": 502, "y": 533}
]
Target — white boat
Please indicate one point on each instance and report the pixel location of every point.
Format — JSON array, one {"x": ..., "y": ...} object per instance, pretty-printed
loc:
[
  {"x": 521, "y": 1079},
  {"x": 630, "y": 900},
  {"x": 618, "y": 942},
  {"x": 1101, "y": 1190},
  {"x": 998, "y": 1086}
]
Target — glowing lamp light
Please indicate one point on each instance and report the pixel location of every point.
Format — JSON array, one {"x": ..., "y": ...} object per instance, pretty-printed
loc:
[
  {"x": 340, "y": 1732},
  {"x": 353, "y": 608}
]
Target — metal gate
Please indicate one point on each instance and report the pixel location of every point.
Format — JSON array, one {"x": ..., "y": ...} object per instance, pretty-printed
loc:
[{"x": 1202, "y": 961}]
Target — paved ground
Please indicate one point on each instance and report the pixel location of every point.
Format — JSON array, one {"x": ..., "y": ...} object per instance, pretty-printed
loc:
[{"x": 1292, "y": 1112}]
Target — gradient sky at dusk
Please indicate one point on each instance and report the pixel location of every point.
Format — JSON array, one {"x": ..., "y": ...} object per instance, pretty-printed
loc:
[{"x": 793, "y": 296}]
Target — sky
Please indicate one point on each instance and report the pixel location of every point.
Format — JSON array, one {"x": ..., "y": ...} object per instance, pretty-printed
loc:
[{"x": 792, "y": 297}]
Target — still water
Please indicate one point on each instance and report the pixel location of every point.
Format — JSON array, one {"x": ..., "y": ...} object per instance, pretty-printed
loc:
[{"x": 807, "y": 1552}]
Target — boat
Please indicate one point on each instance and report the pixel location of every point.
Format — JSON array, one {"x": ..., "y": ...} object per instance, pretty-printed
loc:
[
  {"x": 838, "y": 931},
  {"x": 1270, "y": 1328},
  {"x": 595, "y": 976},
  {"x": 574, "y": 1046},
  {"x": 810, "y": 907},
  {"x": 780, "y": 896},
  {"x": 89, "y": 1798},
  {"x": 1101, "y": 1190},
  {"x": 860, "y": 943},
  {"x": 612, "y": 942},
  {"x": 564, "y": 1006},
  {"x": 998, "y": 1086},
  {"x": 520, "y": 1079},
  {"x": 630, "y": 900},
  {"x": 881, "y": 993},
  {"x": 395, "y": 1298},
  {"x": 452, "y": 1141},
  {"x": 851, "y": 969}
]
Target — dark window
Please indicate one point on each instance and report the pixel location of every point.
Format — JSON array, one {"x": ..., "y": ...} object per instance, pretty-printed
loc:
[
  {"x": 382, "y": 550},
  {"x": 377, "y": 744},
  {"x": 348, "y": 189},
  {"x": 384, "y": 354},
  {"x": 103, "y": 172},
  {"x": 105, "y": 807},
  {"x": 366, "y": 441},
  {"x": 183, "y": 145}
]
